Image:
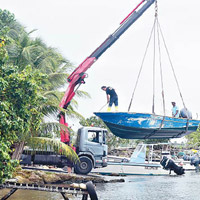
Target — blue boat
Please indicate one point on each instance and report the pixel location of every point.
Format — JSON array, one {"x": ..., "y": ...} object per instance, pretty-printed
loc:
[{"x": 130, "y": 125}]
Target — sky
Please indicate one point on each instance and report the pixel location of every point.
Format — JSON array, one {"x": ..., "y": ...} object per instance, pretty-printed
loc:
[{"x": 77, "y": 27}]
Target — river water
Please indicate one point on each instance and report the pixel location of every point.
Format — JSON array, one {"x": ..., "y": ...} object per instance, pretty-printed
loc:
[{"x": 186, "y": 187}]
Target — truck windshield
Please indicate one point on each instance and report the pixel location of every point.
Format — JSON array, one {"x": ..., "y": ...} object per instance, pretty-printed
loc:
[{"x": 93, "y": 136}]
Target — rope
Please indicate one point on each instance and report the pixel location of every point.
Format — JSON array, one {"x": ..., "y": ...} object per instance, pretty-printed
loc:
[
  {"x": 154, "y": 67},
  {"x": 152, "y": 31},
  {"x": 161, "y": 72},
  {"x": 141, "y": 67},
  {"x": 172, "y": 66},
  {"x": 154, "y": 57}
]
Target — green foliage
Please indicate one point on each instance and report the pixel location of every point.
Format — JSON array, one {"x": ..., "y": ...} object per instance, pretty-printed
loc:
[
  {"x": 93, "y": 121},
  {"x": 3, "y": 51},
  {"x": 193, "y": 139},
  {"x": 20, "y": 100},
  {"x": 152, "y": 141},
  {"x": 19, "y": 115},
  {"x": 54, "y": 145},
  {"x": 7, "y": 166},
  {"x": 6, "y": 18}
]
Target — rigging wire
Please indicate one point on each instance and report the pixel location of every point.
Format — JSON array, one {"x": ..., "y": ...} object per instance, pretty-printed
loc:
[
  {"x": 154, "y": 67},
  {"x": 160, "y": 63},
  {"x": 161, "y": 71},
  {"x": 141, "y": 67},
  {"x": 172, "y": 67},
  {"x": 154, "y": 57}
]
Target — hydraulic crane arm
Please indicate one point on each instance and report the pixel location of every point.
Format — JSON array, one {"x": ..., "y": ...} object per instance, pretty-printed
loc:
[{"x": 78, "y": 75}]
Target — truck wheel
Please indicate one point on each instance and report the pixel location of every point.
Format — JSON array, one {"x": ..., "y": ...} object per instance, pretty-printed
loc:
[{"x": 84, "y": 166}]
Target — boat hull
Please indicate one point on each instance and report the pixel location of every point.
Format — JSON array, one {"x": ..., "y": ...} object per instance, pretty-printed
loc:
[
  {"x": 131, "y": 169},
  {"x": 147, "y": 126}
]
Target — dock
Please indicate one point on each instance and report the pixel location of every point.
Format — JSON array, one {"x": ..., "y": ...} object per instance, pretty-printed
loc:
[{"x": 74, "y": 189}]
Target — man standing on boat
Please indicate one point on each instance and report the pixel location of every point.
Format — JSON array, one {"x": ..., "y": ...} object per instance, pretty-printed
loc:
[
  {"x": 175, "y": 110},
  {"x": 111, "y": 97}
]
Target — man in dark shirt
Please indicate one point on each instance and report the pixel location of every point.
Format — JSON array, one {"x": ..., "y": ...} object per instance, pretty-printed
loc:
[{"x": 111, "y": 97}]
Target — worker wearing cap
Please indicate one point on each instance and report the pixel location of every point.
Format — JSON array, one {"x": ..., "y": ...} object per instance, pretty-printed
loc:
[
  {"x": 175, "y": 110},
  {"x": 111, "y": 97}
]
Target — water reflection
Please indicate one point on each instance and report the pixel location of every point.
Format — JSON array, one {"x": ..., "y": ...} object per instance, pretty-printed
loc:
[{"x": 154, "y": 187}]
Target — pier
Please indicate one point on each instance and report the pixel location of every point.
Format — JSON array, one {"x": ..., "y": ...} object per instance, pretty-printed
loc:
[{"x": 74, "y": 189}]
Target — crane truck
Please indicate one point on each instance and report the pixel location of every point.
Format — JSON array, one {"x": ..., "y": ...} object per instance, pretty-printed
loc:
[{"x": 92, "y": 153}]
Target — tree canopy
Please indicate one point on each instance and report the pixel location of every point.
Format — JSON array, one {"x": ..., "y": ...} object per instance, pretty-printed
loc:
[{"x": 194, "y": 139}]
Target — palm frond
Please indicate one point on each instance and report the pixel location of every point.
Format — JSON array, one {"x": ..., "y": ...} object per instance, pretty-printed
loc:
[
  {"x": 26, "y": 53},
  {"x": 30, "y": 32},
  {"x": 13, "y": 34},
  {"x": 49, "y": 110},
  {"x": 39, "y": 42},
  {"x": 13, "y": 50},
  {"x": 57, "y": 80},
  {"x": 71, "y": 113},
  {"x": 42, "y": 143},
  {"x": 51, "y": 93},
  {"x": 82, "y": 94}
]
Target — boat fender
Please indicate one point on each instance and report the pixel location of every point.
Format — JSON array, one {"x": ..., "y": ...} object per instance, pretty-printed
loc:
[{"x": 91, "y": 190}]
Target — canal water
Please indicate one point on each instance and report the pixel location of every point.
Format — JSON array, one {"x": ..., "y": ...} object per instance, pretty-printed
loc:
[{"x": 186, "y": 187}]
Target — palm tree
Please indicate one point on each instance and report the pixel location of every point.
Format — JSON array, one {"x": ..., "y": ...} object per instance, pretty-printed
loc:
[{"x": 24, "y": 50}]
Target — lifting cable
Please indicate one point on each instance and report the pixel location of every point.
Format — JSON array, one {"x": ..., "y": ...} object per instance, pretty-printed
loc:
[
  {"x": 141, "y": 67},
  {"x": 159, "y": 32},
  {"x": 154, "y": 61},
  {"x": 160, "y": 64},
  {"x": 172, "y": 67}
]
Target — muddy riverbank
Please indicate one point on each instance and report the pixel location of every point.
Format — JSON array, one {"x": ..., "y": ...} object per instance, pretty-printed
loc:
[{"x": 51, "y": 177}]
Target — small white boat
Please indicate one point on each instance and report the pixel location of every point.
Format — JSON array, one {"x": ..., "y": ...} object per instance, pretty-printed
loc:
[{"x": 136, "y": 165}]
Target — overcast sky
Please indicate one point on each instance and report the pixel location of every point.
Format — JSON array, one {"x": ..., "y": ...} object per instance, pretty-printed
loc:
[{"x": 77, "y": 27}]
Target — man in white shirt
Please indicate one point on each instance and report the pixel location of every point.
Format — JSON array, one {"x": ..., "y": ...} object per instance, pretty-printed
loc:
[{"x": 175, "y": 110}]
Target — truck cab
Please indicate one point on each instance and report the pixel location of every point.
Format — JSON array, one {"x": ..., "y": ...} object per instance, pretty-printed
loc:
[{"x": 91, "y": 148}]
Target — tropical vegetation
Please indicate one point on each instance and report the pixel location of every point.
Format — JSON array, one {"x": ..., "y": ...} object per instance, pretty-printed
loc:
[
  {"x": 31, "y": 77},
  {"x": 193, "y": 139},
  {"x": 19, "y": 113}
]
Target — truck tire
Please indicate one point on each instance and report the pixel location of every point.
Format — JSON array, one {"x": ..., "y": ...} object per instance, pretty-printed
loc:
[{"x": 84, "y": 166}]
